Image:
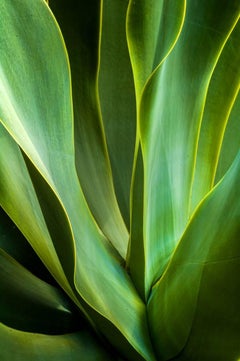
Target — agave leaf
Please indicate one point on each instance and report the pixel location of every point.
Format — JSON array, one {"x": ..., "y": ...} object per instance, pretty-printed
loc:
[
  {"x": 222, "y": 92},
  {"x": 136, "y": 254},
  {"x": 43, "y": 129},
  {"x": 82, "y": 34},
  {"x": 117, "y": 98},
  {"x": 18, "y": 345},
  {"x": 19, "y": 200},
  {"x": 170, "y": 116},
  {"x": 195, "y": 305},
  {"x": 231, "y": 141},
  {"x": 7, "y": 243},
  {"x": 30, "y": 304},
  {"x": 152, "y": 30},
  {"x": 13, "y": 242},
  {"x": 61, "y": 236},
  {"x": 146, "y": 22}
]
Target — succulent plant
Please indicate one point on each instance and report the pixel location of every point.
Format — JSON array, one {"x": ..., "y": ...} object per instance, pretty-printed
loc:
[{"x": 119, "y": 180}]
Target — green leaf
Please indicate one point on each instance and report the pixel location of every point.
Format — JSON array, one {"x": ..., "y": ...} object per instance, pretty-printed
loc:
[
  {"x": 24, "y": 346},
  {"x": 16, "y": 245},
  {"x": 231, "y": 141},
  {"x": 38, "y": 116},
  {"x": 117, "y": 99},
  {"x": 136, "y": 254},
  {"x": 82, "y": 36},
  {"x": 220, "y": 100},
  {"x": 146, "y": 22},
  {"x": 170, "y": 116},
  {"x": 194, "y": 307},
  {"x": 19, "y": 200},
  {"x": 152, "y": 29},
  {"x": 61, "y": 235},
  {"x": 30, "y": 304}
]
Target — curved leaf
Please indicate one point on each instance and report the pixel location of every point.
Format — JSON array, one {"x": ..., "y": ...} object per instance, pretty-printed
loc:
[
  {"x": 117, "y": 99},
  {"x": 152, "y": 29},
  {"x": 109, "y": 305},
  {"x": 196, "y": 302},
  {"x": 82, "y": 34},
  {"x": 231, "y": 141},
  {"x": 19, "y": 200},
  {"x": 45, "y": 134},
  {"x": 170, "y": 116},
  {"x": 16, "y": 245},
  {"x": 221, "y": 96},
  {"x": 30, "y": 304},
  {"x": 17, "y": 346}
]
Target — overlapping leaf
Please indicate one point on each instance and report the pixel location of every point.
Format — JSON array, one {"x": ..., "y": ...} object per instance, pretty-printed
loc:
[
  {"x": 44, "y": 131},
  {"x": 15, "y": 244},
  {"x": 152, "y": 29},
  {"x": 19, "y": 200},
  {"x": 231, "y": 141},
  {"x": 170, "y": 116},
  {"x": 18, "y": 345},
  {"x": 30, "y": 304},
  {"x": 222, "y": 93},
  {"x": 195, "y": 305},
  {"x": 81, "y": 27},
  {"x": 60, "y": 164},
  {"x": 117, "y": 98}
]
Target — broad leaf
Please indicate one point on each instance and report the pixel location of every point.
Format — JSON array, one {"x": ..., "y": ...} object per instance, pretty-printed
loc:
[
  {"x": 220, "y": 99},
  {"x": 44, "y": 131},
  {"x": 194, "y": 307},
  {"x": 30, "y": 304},
  {"x": 82, "y": 36},
  {"x": 147, "y": 21},
  {"x": 153, "y": 27},
  {"x": 170, "y": 116},
  {"x": 19, "y": 200},
  {"x": 17, "y": 345}
]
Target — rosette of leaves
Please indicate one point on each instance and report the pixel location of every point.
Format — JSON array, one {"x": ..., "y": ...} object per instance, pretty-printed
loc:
[{"x": 119, "y": 180}]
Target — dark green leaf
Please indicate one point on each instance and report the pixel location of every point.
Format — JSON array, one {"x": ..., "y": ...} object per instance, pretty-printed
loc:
[
  {"x": 30, "y": 304},
  {"x": 24, "y": 346},
  {"x": 36, "y": 110},
  {"x": 82, "y": 36},
  {"x": 170, "y": 116},
  {"x": 194, "y": 307}
]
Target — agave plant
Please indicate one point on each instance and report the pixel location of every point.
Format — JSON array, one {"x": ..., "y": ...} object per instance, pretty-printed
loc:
[{"x": 119, "y": 180}]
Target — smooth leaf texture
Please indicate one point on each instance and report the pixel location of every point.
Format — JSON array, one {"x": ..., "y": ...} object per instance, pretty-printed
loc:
[
  {"x": 82, "y": 35},
  {"x": 170, "y": 116},
  {"x": 117, "y": 99},
  {"x": 194, "y": 307},
  {"x": 221, "y": 96},
  {"x": 231, "y": 141},
  {"x": 15, "y": 244},
  {"x": 17, "y": 194},
  {"x": 136, "y": 254},
  {"x": 152, "y": 30},
  {"x": 23, "y": 346},
  {"x": 119, "y": 166},
  {"x": 53, "y": 211},
  {"x": 30, "y": 304},
  {"x": 45, "y": 134}
]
